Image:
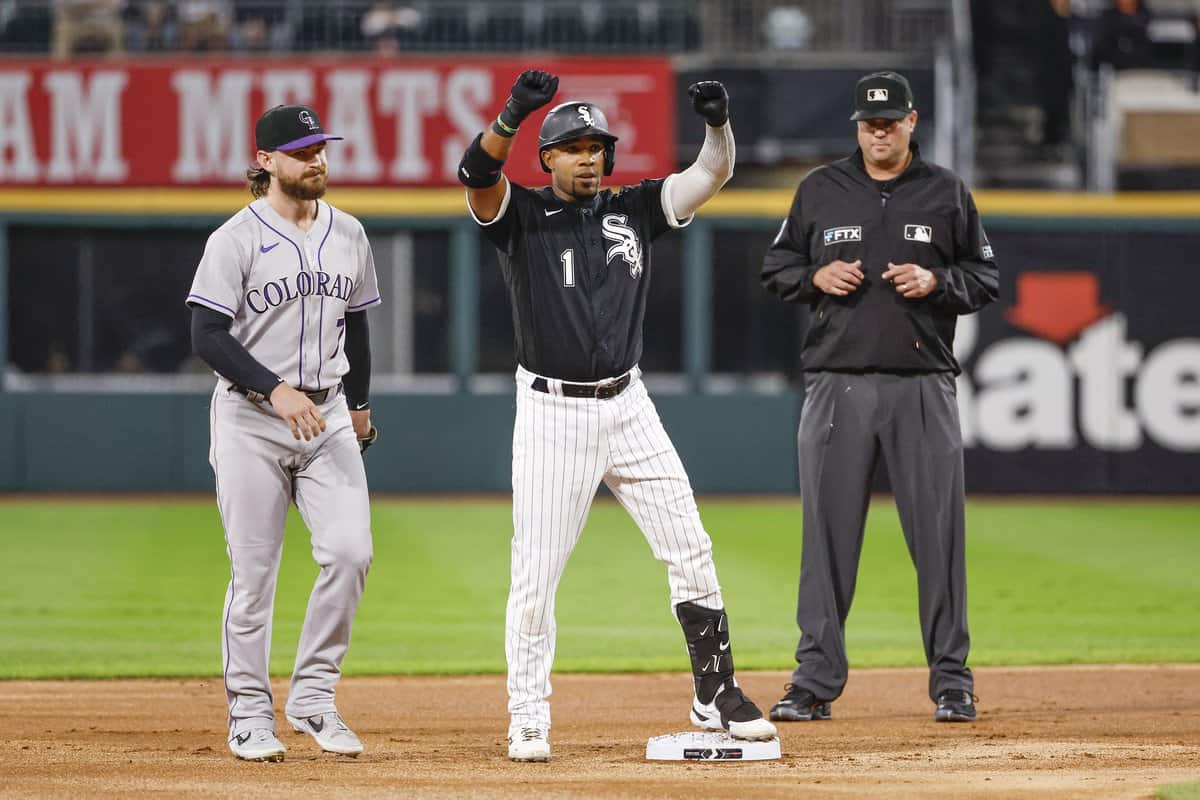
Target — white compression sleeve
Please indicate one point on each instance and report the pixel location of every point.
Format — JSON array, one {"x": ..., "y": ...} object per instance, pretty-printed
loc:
[{"x": 696, "y": 185}]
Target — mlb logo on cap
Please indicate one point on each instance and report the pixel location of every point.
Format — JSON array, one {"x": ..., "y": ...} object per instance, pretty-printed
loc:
[{"x": 882, "y": 95}]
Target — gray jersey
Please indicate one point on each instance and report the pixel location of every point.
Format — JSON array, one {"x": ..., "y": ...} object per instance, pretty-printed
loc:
[{"x": 288, "y": 290}]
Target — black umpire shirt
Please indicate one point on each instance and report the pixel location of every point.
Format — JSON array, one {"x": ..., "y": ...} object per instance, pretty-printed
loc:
[
  {"x": 577, "y": 276},
  {"x": 925, "y": 216}
]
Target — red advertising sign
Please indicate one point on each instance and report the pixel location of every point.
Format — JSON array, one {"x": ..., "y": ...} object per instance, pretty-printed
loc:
[{"x": 406, "y": 122}]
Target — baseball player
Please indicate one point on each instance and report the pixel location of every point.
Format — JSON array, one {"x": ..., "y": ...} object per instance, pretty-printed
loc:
[
  {"x": 279, "y": 312},
  {"x": 577, "y": 264},
  {"x": 887, "y": 249}
]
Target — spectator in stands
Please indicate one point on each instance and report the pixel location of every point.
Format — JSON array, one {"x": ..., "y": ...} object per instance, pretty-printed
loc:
[
  {"x": 389, "y": 25},
  {"x": 788, "y": 28},
  {"x": 203, "y": 24},
  {"x": 1056, "y": 79},
  {"x": 87, "y": 26},
  {"x": 1120, "y": 36},
  {"x": 150, "y": 27},
  {"x": 260, "y": 26}
]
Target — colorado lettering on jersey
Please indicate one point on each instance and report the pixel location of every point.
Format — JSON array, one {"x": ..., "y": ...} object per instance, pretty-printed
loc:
[{"x": 304, "y": 284}]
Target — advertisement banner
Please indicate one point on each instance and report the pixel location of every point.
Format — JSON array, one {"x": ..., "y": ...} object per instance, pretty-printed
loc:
[
  {"x": 1085, "y": 377},
  {"x": 406, "y": 122}
]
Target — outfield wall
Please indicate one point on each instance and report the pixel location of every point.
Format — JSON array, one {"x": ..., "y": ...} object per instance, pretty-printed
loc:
[{"x": 1084, "y": 378}]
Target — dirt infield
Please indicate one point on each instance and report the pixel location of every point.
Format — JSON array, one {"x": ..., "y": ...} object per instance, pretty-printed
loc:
[{"x": 1043, "y": 732}]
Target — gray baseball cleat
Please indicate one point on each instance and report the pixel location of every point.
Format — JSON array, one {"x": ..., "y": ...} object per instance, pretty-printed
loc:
[
  {"x": 730, "y": 710},
  {"x": 259, "y": 744},
  {"x": 528, "y": 744},
  {"x": 330, "y": 733}
]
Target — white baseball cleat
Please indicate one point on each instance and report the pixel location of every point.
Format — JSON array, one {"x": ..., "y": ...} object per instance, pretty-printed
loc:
[
  {"x": 528, "y": 744},
  {"x": 330, "y": 732},
  {"x": 259, "y": 744},
  {"x": 730, "y": 710}
]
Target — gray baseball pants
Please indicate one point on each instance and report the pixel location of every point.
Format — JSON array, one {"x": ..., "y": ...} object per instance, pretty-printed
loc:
[
  {"x": 847, "y": 422},
  {"x": 260, "y": 469}
]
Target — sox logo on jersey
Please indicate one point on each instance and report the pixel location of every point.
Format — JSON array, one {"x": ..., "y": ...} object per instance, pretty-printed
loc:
[{"x": 626, "y": 244}]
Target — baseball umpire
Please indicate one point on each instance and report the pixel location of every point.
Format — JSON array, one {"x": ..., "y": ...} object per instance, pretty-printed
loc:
[
  {"x": 279, "y": 312},
  {"x": 577, "y": 264},
  {"x": 887, "y": 250}
]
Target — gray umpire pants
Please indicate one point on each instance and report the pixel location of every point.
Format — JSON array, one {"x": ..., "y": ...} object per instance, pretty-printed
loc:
[{"x": 848, "y": 420}]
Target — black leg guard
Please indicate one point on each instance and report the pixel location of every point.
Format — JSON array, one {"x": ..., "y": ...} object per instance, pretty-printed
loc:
[{"x": 707, "y": 633}]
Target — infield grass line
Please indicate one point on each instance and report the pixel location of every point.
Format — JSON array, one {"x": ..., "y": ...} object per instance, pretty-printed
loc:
[{"x": 98, "y": 589}]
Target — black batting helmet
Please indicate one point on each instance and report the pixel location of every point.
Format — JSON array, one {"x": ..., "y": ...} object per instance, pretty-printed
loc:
[{"x": 574, "y": 120}]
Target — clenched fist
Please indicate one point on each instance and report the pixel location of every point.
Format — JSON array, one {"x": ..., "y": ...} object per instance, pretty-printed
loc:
[
  {"x": 711, "y": 101},
  {"x": 533, "y": 89}
]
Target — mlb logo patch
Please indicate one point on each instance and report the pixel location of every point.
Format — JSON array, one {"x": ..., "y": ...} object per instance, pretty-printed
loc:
[
  {"x": 849, "y": 233},
  {"x": 918, "y": 233},
  {"x": 877, "y": 95},
  {"x": 987, "y": 252}
]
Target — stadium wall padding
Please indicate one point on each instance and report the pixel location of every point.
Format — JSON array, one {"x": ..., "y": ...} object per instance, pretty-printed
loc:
[{"x": 454, "y": 443}]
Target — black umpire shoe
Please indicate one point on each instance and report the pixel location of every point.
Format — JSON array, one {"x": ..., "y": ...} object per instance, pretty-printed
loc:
[
  {"x": 955, "y": 705},
  {"x": 799, "y": 705}
]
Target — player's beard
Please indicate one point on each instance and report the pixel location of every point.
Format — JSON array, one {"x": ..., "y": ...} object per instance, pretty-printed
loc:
[
  {"x": 309, "y": 187},
  {"x": 588, "y": 190},
  {"x": 580, "y": 191}
]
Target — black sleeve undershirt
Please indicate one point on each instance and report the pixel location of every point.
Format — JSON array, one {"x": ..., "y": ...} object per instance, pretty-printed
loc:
[
  {"x": 357, "y": 382},
  {"x": 212, "y": 341}
]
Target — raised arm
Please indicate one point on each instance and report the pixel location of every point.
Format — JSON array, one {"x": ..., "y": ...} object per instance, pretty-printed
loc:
[
  {"x": 699, "y": 183},
  {"x": 480, "y": 167}
]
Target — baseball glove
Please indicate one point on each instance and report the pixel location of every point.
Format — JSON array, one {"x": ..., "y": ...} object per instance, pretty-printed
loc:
[{"x": 368, "y": 440}]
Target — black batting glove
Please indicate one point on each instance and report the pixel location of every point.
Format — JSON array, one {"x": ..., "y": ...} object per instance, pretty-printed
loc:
[
  {"x": 711, "y": 101},
  {"x": 534, "y": 88}
]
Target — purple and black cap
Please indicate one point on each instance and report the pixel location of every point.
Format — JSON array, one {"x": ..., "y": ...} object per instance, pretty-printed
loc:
[
  {"x": 289, "y": 128},
  {"x": 882, "y": 95}
]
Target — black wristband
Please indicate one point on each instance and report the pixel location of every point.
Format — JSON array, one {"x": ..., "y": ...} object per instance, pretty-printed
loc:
[{"x": 478, "y": 170}]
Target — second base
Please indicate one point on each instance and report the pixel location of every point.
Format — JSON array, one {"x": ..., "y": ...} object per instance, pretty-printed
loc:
[{"x": 697, "y": 746}]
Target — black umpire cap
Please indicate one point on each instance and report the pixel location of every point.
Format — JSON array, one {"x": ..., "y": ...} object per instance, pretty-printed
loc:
[
  {"x": 289, "y": 128},
  {"x": 882, "y": 95}
]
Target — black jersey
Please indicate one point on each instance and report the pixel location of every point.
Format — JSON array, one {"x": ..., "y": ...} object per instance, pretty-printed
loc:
[
  {"x": 925, "y": 216},
  {"x": 578, "y": 275}
]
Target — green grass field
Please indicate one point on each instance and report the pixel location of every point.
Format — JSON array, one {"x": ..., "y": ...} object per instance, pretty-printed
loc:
[
  {"x": 1178, "y": 791},
  {"x": 110, "y": 588}
]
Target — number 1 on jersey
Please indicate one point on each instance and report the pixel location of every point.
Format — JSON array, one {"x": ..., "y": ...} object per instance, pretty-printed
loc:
[{"x": 568, "y": 262}]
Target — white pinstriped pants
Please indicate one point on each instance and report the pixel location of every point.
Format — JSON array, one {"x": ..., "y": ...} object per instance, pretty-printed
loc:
[{"x": 562, "y": 448}]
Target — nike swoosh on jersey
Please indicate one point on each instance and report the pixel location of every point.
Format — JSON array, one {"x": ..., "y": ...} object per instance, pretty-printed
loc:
[
  {"x": 552, "y": 213},
  {"x": 265, "y": 249}
]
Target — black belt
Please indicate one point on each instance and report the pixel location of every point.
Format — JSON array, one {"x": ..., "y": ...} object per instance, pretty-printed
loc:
[
  {"x": 599, "y": 391},
  {"x": 318, "y": 397}
]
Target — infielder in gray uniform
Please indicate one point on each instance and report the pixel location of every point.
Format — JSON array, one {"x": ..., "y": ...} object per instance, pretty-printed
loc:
[{"x": 278, "y": 311}]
